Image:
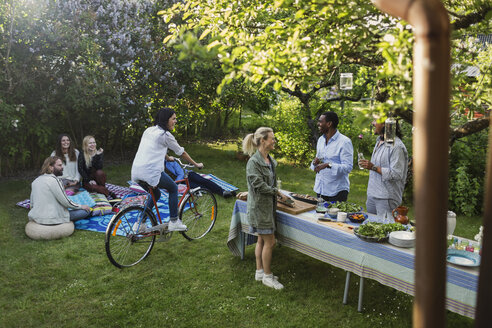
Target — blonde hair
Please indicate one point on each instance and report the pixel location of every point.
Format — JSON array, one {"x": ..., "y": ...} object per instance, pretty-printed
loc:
[
  {"x": 85, "y": 149},
  {"x": 252, "y": 141},
  {"x": 48, "y": 164}
]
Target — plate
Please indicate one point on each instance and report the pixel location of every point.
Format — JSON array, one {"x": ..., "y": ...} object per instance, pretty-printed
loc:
[
  {"x": 304, "y": 198},
  {"x": 402, "y": 238},
  {"x": 463, "y": 258},
  {"x": 370, "y": 239},
  {"x": 354, "y": 220}
]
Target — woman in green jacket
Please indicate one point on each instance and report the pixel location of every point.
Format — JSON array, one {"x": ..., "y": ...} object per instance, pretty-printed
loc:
[{"x": 262, "y": 204}]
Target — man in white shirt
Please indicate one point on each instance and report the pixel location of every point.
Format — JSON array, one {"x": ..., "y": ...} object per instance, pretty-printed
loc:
[
  {"x": 49, "y": 202},
  {"x": 333, "y": 161}
]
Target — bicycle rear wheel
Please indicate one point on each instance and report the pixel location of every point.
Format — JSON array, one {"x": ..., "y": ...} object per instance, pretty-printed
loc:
[
  {"x": 126, "y": 247},
  {"x": 198, "y": 212}
]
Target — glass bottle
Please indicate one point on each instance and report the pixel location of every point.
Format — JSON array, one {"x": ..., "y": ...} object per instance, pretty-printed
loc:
[
  {"x": 389, "y": 130},
  {"x": 320, "y": 208}
]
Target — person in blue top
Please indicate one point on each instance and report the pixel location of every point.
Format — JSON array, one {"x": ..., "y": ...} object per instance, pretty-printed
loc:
[
  {"x": 388, "y": 173},
  {"x": 195, "y": 179},
  {"x": 333, "y": 161}
]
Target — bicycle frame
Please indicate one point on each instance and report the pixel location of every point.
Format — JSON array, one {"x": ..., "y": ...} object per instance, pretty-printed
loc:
[{"x": 188, "y": 190}]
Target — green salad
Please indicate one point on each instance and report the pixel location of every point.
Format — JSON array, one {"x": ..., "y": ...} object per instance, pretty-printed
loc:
[
  {"x": 346, "y": 207},
  {"x": 379, "y": 230}
]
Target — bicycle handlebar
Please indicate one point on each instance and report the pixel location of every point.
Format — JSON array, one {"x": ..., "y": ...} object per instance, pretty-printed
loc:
[{"x": 184, "y": 166}]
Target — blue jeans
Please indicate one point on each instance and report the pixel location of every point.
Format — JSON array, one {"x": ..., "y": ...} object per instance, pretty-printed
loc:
[
  {"x": 76, "y": 215},
  {"x": 167, "y": 183}
]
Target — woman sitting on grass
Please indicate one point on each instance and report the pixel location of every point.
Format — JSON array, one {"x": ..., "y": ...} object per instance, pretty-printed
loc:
[
  {"x": 262, "y": 200},
  {"x": 69, "y": 155},
  {"x": 90, "y": 168}
]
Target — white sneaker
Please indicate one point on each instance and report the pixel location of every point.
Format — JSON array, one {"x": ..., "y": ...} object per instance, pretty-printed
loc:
[
  {"x": 142, "y": 229},
  {"x": 270, "y": 281},
  {"x": 259, "y": 275},
  {"x": 176, "y": 226}
]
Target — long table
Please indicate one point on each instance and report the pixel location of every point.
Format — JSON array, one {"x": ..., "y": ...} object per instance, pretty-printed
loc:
[{"x": 389, "y": 265}]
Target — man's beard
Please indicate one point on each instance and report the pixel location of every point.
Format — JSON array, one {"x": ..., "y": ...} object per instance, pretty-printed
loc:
[{"x": 57, "y": 173}]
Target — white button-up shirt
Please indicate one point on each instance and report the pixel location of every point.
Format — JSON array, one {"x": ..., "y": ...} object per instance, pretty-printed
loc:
[
  {"x": 340, "y": 153},
  {"x": 149, "y": 160}
]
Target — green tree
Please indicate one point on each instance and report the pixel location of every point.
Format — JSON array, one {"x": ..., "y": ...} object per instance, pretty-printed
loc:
[{"x": 300, "y": 47}]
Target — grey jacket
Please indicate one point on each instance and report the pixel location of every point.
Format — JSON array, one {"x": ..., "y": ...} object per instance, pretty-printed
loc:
[
  {"x": 49, "y": 203},
  {"x": 262, "y": 191}
]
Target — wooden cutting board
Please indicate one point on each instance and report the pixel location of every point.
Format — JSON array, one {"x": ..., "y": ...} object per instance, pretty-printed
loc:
[
  {"x": 299, "y": 207},
  {"x": 340, "y": 226}
]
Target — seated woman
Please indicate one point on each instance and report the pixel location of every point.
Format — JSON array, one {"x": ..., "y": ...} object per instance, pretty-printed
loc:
[
  {"x": 196, "y": 180},
  {"x": 90, "y": 168},
  {"x": 69, "y": 155}
]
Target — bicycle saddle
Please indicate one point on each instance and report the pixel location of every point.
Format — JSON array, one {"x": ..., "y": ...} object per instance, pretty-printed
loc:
[{"x": 143, "y": 184}]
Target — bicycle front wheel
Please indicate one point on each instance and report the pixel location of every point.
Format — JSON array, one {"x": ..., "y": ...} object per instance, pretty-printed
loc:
[
  {"x": 125, "y": 246},
  {"x": 198, "y": 212}
]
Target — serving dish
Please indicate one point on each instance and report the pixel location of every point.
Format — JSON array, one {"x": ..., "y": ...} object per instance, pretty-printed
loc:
[
  {"x": 370, "y": 239},
  {"x": 304, "y": 198},
  {"x": 357, "y": 217},
  {"x": 463, "y": 258},
  {"x": 402, "y": 238}
]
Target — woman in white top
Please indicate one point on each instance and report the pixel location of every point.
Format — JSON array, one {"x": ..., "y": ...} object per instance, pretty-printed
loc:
[
  {"x": 148, "y": 165},
  {"x": 69, "y": 155}
]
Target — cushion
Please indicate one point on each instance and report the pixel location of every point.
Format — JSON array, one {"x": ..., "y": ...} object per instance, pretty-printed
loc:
[
  {"x": 83, "y": 198},
  {"x": 102, "y": 206},
  {"x": 132, "y": 200},
  {"x": 47, "y": 232}
]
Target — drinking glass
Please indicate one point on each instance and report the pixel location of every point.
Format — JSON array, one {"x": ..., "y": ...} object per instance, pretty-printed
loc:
[{"x": 359, "y": 157}]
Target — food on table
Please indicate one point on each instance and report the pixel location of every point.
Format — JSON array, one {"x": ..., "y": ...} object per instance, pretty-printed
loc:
[
  {"x": 287, "y": 201},
  {"x": 305, "y": 198},
  {"x": 346, "y": 207},
  {"x": 379, "y": 230},
  {"x": 357, "y": 217}
]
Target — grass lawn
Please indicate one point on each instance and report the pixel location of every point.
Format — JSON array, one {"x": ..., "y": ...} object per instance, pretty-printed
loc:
[{"x": 71, "y": 283}]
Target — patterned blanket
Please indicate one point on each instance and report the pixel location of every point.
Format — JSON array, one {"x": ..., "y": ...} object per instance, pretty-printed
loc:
[{"x": 99, "y": 223}]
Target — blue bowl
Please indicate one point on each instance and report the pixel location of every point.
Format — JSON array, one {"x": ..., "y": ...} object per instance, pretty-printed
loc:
[{"x": 351, "y": 217}]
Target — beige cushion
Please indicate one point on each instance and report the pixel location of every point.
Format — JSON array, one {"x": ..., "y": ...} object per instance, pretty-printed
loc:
[{"x": 39, "y": 231}]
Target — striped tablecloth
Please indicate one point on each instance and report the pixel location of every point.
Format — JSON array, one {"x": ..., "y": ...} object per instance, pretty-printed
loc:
[{"x": 389, "y": 265}]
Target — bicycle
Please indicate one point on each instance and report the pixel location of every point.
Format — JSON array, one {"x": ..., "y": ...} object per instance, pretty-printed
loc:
[{"x": 131, "y": 233}]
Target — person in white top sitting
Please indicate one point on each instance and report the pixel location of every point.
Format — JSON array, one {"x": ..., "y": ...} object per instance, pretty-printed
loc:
[
  {"x": 148, "y": 165},
  {"x": 49, "y": 202},
  {"x": 69, "y": 155}
]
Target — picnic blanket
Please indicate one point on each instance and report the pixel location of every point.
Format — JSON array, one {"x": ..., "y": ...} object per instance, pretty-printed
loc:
[
  {"x": 99, "y": 223},
  {"x": 119, "y": 191}
]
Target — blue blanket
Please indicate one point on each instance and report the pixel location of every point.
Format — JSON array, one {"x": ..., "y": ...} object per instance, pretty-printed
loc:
[{"x": 99, "y": 223}]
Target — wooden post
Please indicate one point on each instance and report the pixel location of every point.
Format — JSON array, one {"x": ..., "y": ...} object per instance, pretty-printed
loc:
[
  {"x": 484, "y": 297},
  {"x": 431, "y": 83}
]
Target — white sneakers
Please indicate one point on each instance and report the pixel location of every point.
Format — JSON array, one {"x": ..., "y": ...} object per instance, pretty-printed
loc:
[
  {"x": 176, "y": 226},
  {"x": 172, "y": 226},
  {"x": 142, "y": 229},
  {"x": 268, "y": 279}
]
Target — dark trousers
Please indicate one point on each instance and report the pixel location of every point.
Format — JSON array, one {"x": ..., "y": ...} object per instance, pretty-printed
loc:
[
  {"x": 340, "y": 197},
  {"x": 196, "y": 180},
  {"x": 100, "y": 187}
]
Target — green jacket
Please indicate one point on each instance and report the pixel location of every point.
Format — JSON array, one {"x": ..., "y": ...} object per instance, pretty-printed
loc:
[{"x": 262, "y": 200}]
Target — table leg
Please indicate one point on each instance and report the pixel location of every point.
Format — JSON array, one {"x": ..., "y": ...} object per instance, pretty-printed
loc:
[
  {"x": 242, "y": 239},
  {"x": 361, "y": 294},
  {"x": 345, "y": 292}
]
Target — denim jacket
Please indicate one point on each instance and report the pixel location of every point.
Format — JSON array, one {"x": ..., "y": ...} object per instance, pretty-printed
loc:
[{"x": 262, "y": 191}]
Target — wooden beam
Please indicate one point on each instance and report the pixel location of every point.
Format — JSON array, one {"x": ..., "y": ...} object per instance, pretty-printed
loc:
[{"x": 431, "y": 89}]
